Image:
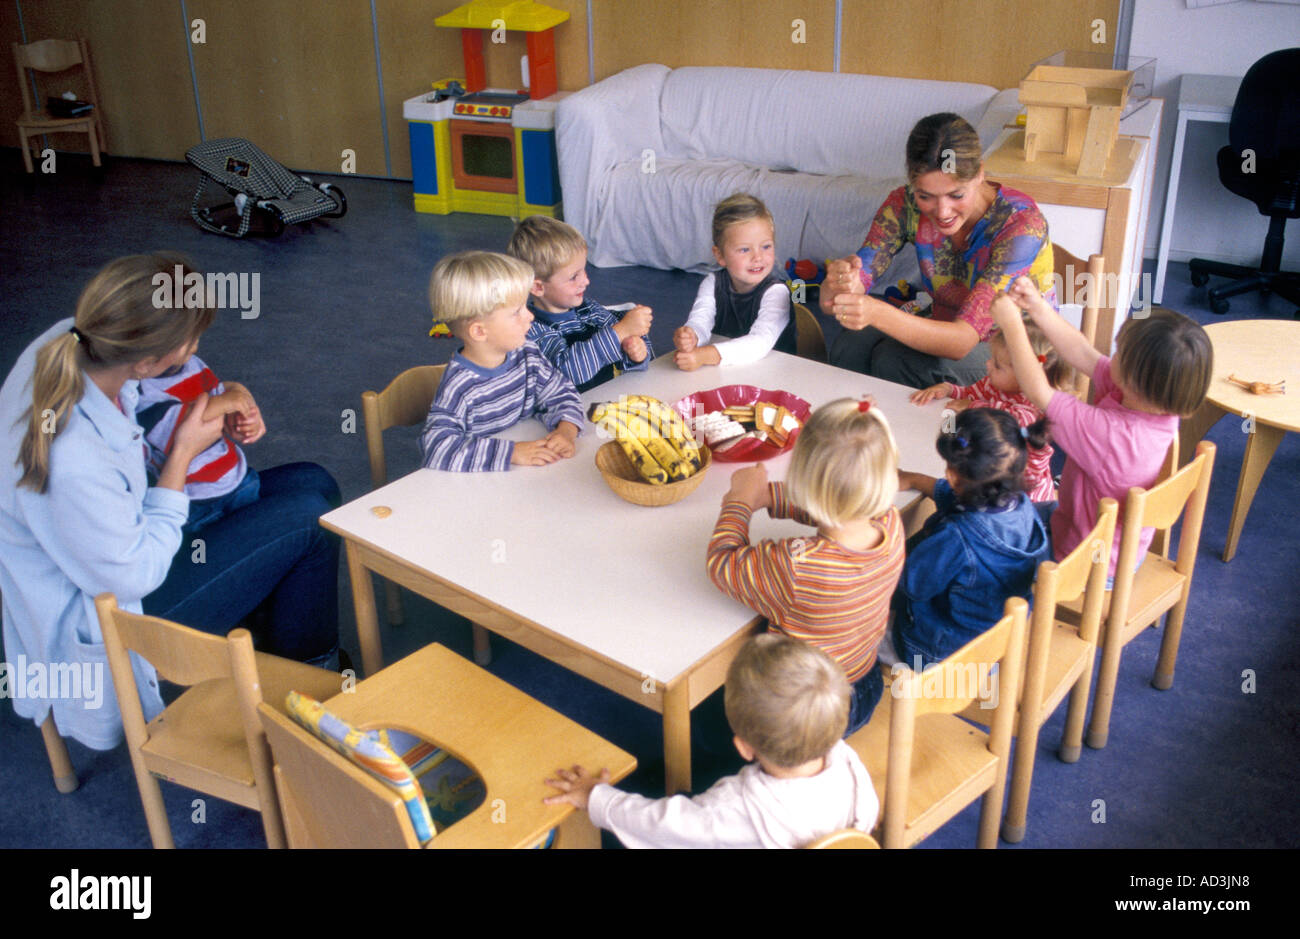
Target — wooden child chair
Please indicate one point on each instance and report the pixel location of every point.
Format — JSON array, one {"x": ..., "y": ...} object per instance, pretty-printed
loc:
[
  {"x": 933, "y": 763},
  {"x": 48, "y": 56},
  {"x": 1059, "y": 659},
  {"x": 1140, "y": 597},
  {"x": 1068, "y": 268},
  {"x": 208, "y": 739},
  {"x": 811, "y": 341},
  {"x": 404, "y": 403},
  {"x": 846, "y": 838}
]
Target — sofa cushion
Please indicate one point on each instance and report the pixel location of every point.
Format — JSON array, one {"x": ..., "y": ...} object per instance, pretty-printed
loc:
[
  {"x": 664, "y": 219},
  {"x": 831, "y": 123}
]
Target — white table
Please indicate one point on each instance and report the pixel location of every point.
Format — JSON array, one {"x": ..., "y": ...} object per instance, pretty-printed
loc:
[
  {"x": 550, "y": 558},
  {"x": 1200, "y": 98}
]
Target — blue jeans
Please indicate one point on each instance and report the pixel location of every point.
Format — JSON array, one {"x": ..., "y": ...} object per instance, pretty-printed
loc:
[
  {"x": 204, "y": 512},
  {"x": 271, "y": 553},
  {"x": 864, "y": 695}
]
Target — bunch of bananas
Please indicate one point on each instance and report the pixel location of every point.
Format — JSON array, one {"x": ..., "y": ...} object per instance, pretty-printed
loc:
[{"x": 653, "y": 435}]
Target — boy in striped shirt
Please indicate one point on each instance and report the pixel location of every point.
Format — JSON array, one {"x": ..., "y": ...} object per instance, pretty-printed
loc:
[
  {"x": 585, "y": 341},
  {"x": 219, "y": 479},
  {"x": 497, "y": 378},
  {"x": 831, "y": 587}
]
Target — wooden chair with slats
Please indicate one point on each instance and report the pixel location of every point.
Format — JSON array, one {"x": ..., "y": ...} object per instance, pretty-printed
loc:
[
  {"x": 1142, "y": 595},
  {"x": 208, "y": 739},
  {"x": 931, "y": 762},
  {"x": 405, "y": 403},
  {"x": 1069, "y": 268},
  {"x": 51, "y": 56},
  {"x": 1059, "y": 659},
  {"x": 811, "y": 341},
  {"x": 846, "y": 838}
]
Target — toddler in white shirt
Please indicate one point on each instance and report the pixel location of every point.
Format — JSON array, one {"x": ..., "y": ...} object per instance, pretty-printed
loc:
[{"x": 788, "y": 705}]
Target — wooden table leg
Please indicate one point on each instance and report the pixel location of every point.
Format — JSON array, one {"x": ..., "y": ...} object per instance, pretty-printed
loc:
[
  {"x": 363, "y": 605},
  {"x": 1260, "y": 448},
  {"x": 677, "y": 738},
  {"x": 577, "y": 832},
  {"x": 1191, "y": 430}
]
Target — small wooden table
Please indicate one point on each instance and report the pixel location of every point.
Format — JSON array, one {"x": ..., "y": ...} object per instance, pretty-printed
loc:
[
  {"x": 553, "y": 560},
  {"x": 1253, "y": 350},
  {"x": 513, "y": 741}
]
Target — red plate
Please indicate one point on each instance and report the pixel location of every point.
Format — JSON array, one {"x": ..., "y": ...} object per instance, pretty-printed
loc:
[{"x": 715, "y": 399}]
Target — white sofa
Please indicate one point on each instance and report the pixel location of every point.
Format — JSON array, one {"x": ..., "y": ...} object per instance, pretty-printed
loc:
[{"x": 645, "y": 154}]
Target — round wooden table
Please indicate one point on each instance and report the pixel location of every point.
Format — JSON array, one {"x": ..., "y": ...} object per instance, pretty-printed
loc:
[{"x": 1252, "y": 350}]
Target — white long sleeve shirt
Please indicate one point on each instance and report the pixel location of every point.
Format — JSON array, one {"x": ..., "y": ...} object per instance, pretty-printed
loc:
[
  {"x": 773, "y": 314},
  {"x": 748, "y": 810}
]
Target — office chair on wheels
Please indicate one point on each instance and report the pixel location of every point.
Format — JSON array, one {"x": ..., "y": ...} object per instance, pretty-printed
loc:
[{"x": 1262, "y": 163}]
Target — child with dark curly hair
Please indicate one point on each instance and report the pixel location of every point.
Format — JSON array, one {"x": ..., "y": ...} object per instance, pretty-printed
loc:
[{"x": 982, "y": 545}]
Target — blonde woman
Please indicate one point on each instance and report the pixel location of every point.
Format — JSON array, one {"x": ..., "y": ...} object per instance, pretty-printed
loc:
[
  {"x": 972, "y": 239},
  {"x": 78, "y": 517}
]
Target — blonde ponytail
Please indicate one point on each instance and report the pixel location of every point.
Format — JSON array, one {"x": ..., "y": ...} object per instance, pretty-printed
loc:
[{"x": 117, "y": 322}]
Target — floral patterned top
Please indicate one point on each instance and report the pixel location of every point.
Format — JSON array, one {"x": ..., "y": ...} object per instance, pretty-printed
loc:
[{"x": 1009, "y": 240}]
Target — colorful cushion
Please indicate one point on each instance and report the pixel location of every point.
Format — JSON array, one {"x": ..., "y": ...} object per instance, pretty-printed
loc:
[
  {"x": 451, "y": 789},
  {"x": 369, "y": 751}
]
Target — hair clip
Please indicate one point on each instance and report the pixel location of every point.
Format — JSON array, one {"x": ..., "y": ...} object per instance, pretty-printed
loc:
[
  {"x": 962, "y": 441},
  {"x": 1024, "y": 433},
  {"x": 1042, "y": 360},
  {"x": 864, "y": 405},
  {"x": 76, "y": 333}
]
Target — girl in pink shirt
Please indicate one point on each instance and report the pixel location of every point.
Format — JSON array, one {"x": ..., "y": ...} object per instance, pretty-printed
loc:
[{"x": 1160, "y": 372}]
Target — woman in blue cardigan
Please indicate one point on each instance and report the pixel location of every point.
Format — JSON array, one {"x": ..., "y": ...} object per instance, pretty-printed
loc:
[{"x": 78, "y": 517}]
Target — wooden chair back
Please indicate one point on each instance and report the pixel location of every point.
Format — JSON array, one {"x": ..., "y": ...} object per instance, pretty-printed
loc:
[
  {"x": 1069, "y": 268},
  {"x": 1140, "y": 596},
  {"x": 208, "y": 739},
  {"x": 327, "y": 801},
  {"x": 49, "y": 56},
  {"x": 947, "y": 688},
  {"x": 811, "y": 341},
  {"x": 846, "y": 838},
  {"x": 403, "y": 403}
]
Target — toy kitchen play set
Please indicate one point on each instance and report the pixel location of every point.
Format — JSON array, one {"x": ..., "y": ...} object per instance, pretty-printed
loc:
[{"x": 490, "y": 150}]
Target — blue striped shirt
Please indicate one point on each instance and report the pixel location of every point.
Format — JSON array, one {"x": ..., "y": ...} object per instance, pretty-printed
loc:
[
  {"x": 582, "y": 343},
  {"x": 473, "y": 403}
]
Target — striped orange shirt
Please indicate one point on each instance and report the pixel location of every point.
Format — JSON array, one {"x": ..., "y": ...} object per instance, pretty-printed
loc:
[{"x": 810, "y": 587}]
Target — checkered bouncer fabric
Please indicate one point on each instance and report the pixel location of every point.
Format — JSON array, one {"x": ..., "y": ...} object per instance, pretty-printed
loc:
[{"x": 241, "y": 168}]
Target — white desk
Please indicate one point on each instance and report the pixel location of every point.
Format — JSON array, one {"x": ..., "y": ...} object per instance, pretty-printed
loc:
[
  {"x": 550, "y": 558},
  {"x": 1200, "y": 98}
]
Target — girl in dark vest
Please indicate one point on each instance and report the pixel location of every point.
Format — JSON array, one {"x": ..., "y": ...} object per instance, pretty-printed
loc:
[{"x": 745, "y": 303}]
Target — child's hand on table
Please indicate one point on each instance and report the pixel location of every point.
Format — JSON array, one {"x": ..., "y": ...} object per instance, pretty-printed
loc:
[
  {"x": 575, "y": 786},
  {"x": 684, "y": 339},
  {"x": 634, "y": 348},
  {"x": 533, "y": 453},
  {"x": 749, "y": 485},
  {"x": 690, "y": 361},
  {"x": 562, "y": 440},
  {"x": 926, "y": 395}
]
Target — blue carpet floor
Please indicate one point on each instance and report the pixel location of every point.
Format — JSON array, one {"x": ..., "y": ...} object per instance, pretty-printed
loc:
[{"x": 343, "y": 309}]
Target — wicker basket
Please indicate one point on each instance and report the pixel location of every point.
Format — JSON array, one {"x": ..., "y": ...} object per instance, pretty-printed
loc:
[{"x": 622, "y": 477}]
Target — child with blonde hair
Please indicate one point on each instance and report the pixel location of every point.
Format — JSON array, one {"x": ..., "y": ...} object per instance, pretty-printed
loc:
[
  {"x": 830, "y": 588},
  {"x": 497, "y": 378},
  {"x": 983, "y": 543},
  {"x": 1160, "y": 371},
  {"x": 787, "y": 704},
  {"x": 585, "y": 341},
  {"x": 746, "y": 301},
  {"x": 999, "y": 389}
]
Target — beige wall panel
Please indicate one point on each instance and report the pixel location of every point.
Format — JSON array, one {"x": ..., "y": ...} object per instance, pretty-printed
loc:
[
  {"x": 713, "y": 32},
  {"x": 137, "y": 48},
  {"x": 415, "y": 54},
  {"x": 992, "y": 42},
  {"x": 297, "y": 79}
]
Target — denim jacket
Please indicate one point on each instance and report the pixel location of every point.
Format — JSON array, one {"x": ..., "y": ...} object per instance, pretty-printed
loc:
[{"x": 958, "y": 577}]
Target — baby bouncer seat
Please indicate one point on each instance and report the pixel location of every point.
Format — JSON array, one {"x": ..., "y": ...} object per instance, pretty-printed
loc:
[{"x": 259, "y": 185}]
